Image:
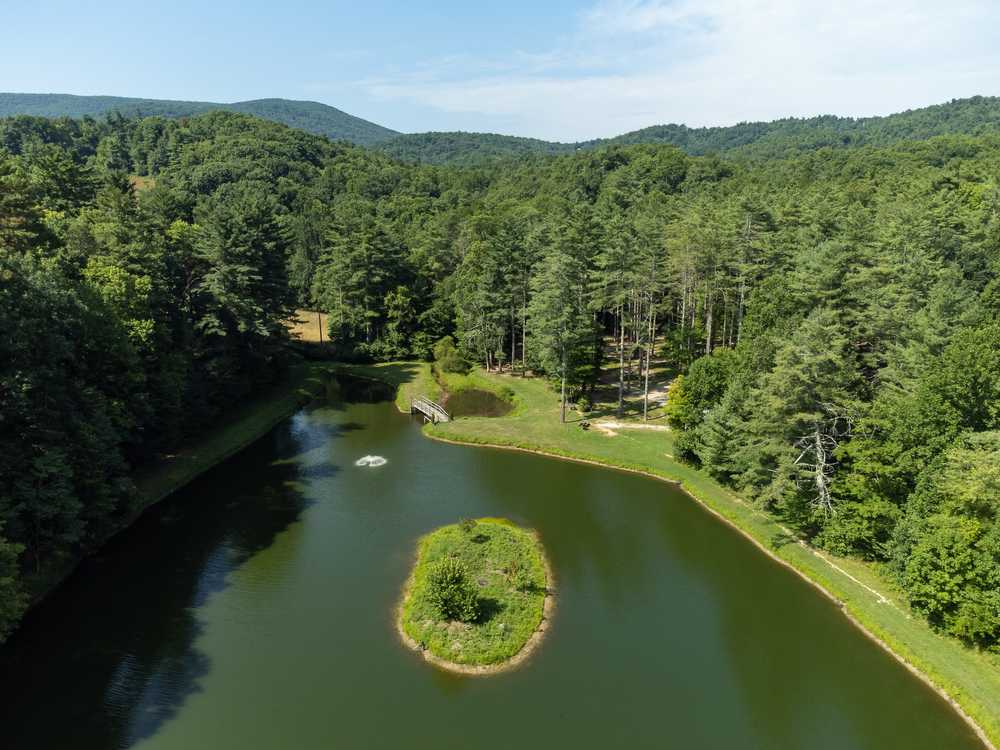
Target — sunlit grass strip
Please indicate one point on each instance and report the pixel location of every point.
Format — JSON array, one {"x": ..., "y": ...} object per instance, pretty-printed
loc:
[{"x": 513, "y": 584}]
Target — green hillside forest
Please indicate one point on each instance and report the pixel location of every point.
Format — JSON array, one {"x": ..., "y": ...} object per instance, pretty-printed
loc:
[
  {"x": 783, "y": 138},
  {"x": 832, "y": 313},
  {"x": 312, "y": 117},
  {"x": 778, "y": 139}
]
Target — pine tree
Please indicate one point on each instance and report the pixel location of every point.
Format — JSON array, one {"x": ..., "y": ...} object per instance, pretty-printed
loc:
[{"x": 560, "y": 322}]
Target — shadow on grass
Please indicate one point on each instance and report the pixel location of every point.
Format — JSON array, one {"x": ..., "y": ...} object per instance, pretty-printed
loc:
[
  {"x": 783, "y": 538},
  {"x": 488, "y": 609},
  {"x": 394, "y": 373},
  {"x": 533, "y": 588}
]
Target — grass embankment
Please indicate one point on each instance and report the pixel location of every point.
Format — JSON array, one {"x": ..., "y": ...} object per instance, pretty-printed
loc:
[
  {"x": 411, "y": 379},
  {"x": 414, "y": 379},
  {"x": 969, "y": 679},
  {"x": 473, "y": 393},
  {"x": 507, "y": 567},
  {"x": 240, "y": 427},
  {"x": 455, "y": 382}
]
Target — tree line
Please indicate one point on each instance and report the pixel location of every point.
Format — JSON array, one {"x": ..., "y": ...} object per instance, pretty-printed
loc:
[{"x": 831, "y": 316}]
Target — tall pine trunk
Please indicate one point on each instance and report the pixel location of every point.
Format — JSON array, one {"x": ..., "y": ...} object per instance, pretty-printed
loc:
[
  {"x": 564, "y": 387},
  {"x": 739, "y": 309},
  {"x": 621, "y": 360},
  {"x": 709, "y": 303},
  {"x": 513, "y": 339},
  {"x": 649, "y": 351}
]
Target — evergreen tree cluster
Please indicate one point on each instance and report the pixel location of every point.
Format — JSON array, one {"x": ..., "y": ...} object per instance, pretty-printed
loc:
[{"x": 831, "y": 314}]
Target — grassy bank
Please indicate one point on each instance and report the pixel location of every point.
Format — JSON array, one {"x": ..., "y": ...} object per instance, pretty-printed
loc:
[
  {"x": 454, "y": 382},
  {"x": 506, "y": 568},
  {"x": 235, "y": 431},
  {"x": 970, "y": 679},
  {"x": 411, "y": 379},
  {"x": 239, "y": 428}
]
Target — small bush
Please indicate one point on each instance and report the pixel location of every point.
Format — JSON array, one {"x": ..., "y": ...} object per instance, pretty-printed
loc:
[
  {"x": 583, "y": 404},
  {"x": 448, "y": 358},
  {"x": 451, "y": 592},
  {"x": 467, "y": 525}
]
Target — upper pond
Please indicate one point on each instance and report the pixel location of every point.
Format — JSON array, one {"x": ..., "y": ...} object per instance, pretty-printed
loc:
[{"x": 255, "y": 610}]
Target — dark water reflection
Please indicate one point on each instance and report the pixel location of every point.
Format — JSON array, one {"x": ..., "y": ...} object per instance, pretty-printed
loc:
[
  {"x": 474, "y": 402},
  {"x": 254, "y": 611},
  {"x": 112, "y": 656}
]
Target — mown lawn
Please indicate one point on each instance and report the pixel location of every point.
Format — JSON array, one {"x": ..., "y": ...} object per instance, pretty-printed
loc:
[{"x": 505, "y": 565}]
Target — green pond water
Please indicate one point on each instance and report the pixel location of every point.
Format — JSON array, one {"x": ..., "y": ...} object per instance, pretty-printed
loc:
[
  {"x": 255, "y": 610},
  {"x": 476, "y": 402}
]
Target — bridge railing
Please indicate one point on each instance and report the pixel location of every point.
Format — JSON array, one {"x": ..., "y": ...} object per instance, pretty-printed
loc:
[{"x": 430, "y": 409}]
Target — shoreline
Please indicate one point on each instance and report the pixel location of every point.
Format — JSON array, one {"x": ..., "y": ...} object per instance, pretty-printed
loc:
[
  {"x": 285, "y": 398},
  {"x": 160, "y": 478},
  {"x": 841, "y": 605},
  {"x": 524, "y": 653}
]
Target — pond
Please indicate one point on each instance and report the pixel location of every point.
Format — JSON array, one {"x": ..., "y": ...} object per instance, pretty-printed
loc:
[
  {"x": 255, "y": 610},
  {"x": 475, "y": 402}
]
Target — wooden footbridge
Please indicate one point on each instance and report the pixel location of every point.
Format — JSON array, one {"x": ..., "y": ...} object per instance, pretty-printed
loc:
[{"x": 432, "y": 411}]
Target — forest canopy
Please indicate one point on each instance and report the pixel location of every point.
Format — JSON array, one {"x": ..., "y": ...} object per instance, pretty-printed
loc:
[{"x": 831, "y": 313}]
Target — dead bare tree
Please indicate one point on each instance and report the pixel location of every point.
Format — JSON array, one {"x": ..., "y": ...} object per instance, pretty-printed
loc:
[{"x": 816, "y": 462}]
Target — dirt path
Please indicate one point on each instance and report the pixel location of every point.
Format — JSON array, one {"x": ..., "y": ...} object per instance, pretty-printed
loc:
[{"x": 610, "y": 428}]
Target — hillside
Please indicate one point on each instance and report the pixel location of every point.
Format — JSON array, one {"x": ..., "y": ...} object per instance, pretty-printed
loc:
[
  {"x": 755, "y": 140},
  {"x": 312, "y": 117},
  {"x": 777, "y": 139}
]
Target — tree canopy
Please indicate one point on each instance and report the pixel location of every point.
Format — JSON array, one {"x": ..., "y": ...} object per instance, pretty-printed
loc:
[{"x": 831, "y": 311}]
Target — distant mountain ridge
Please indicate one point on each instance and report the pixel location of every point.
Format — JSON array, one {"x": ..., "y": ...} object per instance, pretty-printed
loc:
[
  {"x": 775, "y": 139},
  {"x": 778, "y": 138},
  {"x": 312, "y": 117}
]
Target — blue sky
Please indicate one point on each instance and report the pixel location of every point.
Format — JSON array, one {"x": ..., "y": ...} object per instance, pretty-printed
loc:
[{"x": 552, "y": 69}]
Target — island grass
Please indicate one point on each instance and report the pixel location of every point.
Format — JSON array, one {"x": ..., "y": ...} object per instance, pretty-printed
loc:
[
  {"x": 474, "y": 393},
  {"x": 969, "y": 679},
  {"x": 511, "y": 607}
]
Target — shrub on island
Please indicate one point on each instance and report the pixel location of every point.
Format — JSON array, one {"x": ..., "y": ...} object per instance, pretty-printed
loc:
[{"x": 451, "y": 592}]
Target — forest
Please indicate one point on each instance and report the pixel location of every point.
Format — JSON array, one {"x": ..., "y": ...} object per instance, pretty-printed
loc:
[
  {"x": 831, "y": 315},
  {"x": 312, "y": 117},
  {"x": 784, "y": 138}
]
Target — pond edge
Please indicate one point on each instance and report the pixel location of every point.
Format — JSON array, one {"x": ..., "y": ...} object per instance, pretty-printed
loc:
[{"x": 235, "y": 430}]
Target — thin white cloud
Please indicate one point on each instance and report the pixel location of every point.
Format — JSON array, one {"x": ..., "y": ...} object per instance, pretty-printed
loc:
[{"x": 633, "y": 63}]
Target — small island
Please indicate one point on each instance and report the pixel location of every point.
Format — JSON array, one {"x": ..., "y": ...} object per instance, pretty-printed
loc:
[{"x": 479, "y": 597}]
